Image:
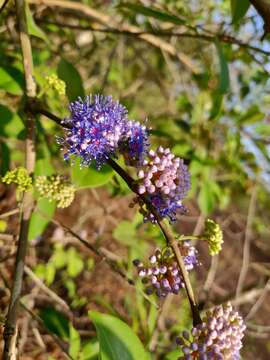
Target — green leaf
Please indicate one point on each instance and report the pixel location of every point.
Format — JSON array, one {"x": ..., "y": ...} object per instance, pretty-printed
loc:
[
  {"x": 125, "y": 233},
  {"x": 252, "y": 116},
  {"x": 239, "y": 9},
  {"x": 9, "y": 83},
  {"x": 74, "y": 342},
  {"x": 89, "y": 176},
  {"x": 116, "y": 339},
  {"x": 224, "y": 77},
  {"x": 55, "y": 322},
  {"x": 90, "y": 350},
  {"x": 263, "y": 129},
  {"x": 38, "y": 223},
  {"x": 11, "y": 124},
  {"x": 67, "y": 72},
  {"x": 4, "y": 158},
  {"x": 33, "y": 29},
  {"x": 173, "y": 355},
  {"x": 43, "y": 166},
  {"x": 154, "y": 13},
  {"x": 74, "y": 262},
  {"x": 206, "y": 198}
]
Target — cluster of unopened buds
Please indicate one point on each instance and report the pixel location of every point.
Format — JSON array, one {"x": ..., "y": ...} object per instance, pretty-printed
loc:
[
  {"x": 213, "y": 235},
  {"x": 162, "y": 274},
  {"x": 218, "y": 337},
  {"x": 164, "y": 179},
  {"x": 20, "y": 177},
  {"x": 55, "y": 188},
  {"x": 53, "y": 82}
]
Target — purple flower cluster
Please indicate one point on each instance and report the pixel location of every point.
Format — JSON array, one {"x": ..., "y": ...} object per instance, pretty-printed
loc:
[
  {"x": 218, "y": 337},
  {"x": 162, "y": 274},
  {"x": 165, "y": 180},
  {"x": 99, "y": 128}
]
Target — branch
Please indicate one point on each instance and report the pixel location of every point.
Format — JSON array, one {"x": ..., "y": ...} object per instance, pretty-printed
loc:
[
  {"x": 222, "y": 37},
  {"x": 248, "y": 233},
  {"x": 28, "y": 201},
  {"x": 169, "y": 236},
  {"x": 107, "y": 20}
]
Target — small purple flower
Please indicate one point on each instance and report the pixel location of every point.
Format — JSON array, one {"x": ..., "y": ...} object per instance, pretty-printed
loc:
[
  {"x": 165, "y": 180},
  {"x": 99, "y": 128},
  {"x": 162, "y": 273},
  {"x": 218, "y": 337},
  {"x": 134, "y": 143}
]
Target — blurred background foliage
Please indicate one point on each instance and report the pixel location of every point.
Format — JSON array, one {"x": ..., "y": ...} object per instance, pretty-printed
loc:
[{"x": 198, "y": 74}]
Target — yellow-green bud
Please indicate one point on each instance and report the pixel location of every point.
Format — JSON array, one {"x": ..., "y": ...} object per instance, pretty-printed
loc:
[
  {"x": 213, "y": 235},
  {"x": 53, "y": 82},
  {"x": 20, "y": 177},
  {"x": 55, "y": 188}
]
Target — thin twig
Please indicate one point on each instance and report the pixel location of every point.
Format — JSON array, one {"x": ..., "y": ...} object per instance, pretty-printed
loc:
[
  {"x": 9, "y": 213},
  {"x": 27, "y": 201},
  {"x": 255, "y": 307},
  {"x": 248, "y": 233},
  {"x": 94, "y": 249},
  {"x": 107, "y": 20},
  {"x": 39, "y": 321},
  {"x": 227, "y": 39},
  {"x": 44, "y": 288},
  {"x": 211, "y": 274},
  {"x": 54, "y": 337},
  {"x": 3, "y": 5}
]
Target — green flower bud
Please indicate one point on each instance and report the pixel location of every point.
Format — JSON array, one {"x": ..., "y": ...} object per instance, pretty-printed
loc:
[
  {"x": 53, "y": 82},
  {"x": 55, "y": 188},
  {"x": 20, "y": 177},
  {"x": 213, "y": 235}
]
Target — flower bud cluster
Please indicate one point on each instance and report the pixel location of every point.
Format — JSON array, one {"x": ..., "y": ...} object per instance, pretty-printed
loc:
[
  {"x": 162, "y": 274},
  {"x": 213, "y": 235},
  {"x": 165, "y": 180},
  {"x": 219, "y": 336},
  {"x": 55, "y": 188},
  {"x": 20, "y": 177},
  {"x": 99, "y": 129},
  {"x": 53, "y": 82}
]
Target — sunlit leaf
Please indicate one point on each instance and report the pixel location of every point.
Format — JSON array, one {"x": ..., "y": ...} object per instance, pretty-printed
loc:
[
  {"x": 89, "y": 176},
  {"x": 116, "y": 339},
  {"x": 33, "y": 29},
  {"x": 38, "y": 223},
  {"x": 74, "y": 342},
  {"x": 239, "y": 9},
  {"x": 9, "y": 83},
  {"x": 74, "y": 85},
  {"x": 154, "y": 13}
]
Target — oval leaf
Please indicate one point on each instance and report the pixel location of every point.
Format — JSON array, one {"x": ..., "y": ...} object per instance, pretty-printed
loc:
[
  {"x": 239, "y": 9},
  {"x": 67, "y": 72},
  {"x": 116, "y": 339},
  {"x": 224, "y": 77},
  {"x": 38, "y": 223},
  {"x": 89, "y": 176},
  {"x": 154, "y": 13}
]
